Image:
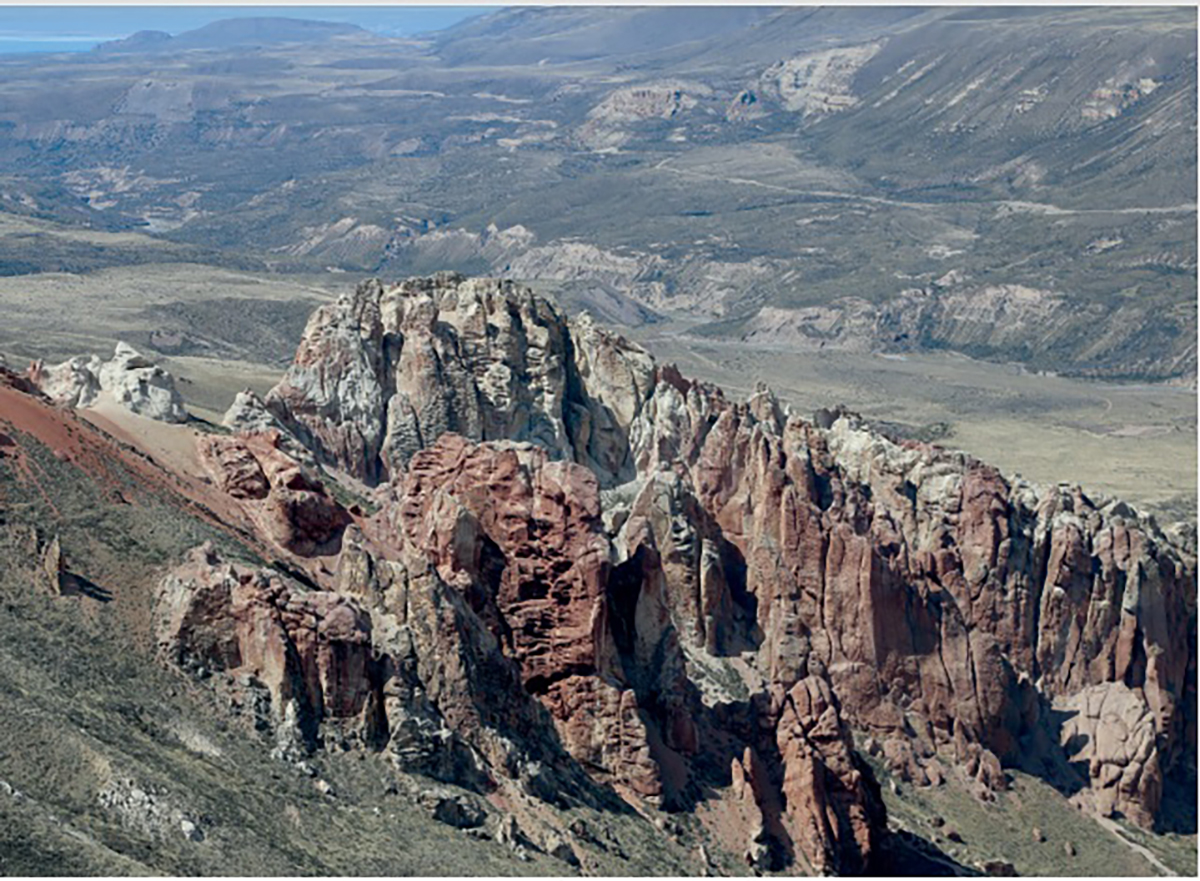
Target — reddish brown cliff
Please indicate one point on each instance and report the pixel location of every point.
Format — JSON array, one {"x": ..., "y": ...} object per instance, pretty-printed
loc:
[{"x": 585, "y": 570}]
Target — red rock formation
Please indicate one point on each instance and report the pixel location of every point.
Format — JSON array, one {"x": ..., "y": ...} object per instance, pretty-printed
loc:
[
  {"x": 291, "y": 508},
  {"x": 663, "y": 583},
  {"x": 526, "y": 534},
  {"x": 937, "y": 595},
  {"x": 828, "y": 806},
  {"x": 521, "y": 536},
  {"x": 310, "y": 647}
]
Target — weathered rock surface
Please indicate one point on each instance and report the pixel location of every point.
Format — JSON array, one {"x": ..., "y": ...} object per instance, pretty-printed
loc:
[
  {"x": 521, "y": 537},
  {"x": 383, "y": 373},
  {"x": 307, "y": 648},
  {"x": 249, "y": 414},
  {"x": 586, "y": 570},
  {"x": 948, "y": 606},
  {"x": 73, "y": 383},
  {"x": 129, "y": 379},
  {"x": 1110, "y": 730},
  {"x": 983, "y": 321},
  {"x": 831, "y": 813},
  {"x": 818, "y": 83},
  {"x": 608, "y": 122},
  {"x": 290, "y": 506}
]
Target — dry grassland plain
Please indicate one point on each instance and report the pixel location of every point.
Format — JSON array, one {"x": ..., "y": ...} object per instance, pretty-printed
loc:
[{"x": 1135, "y": 442}]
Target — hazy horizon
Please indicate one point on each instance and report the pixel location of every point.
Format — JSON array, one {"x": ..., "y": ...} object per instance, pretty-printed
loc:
[{"x": 41, "y": 28}]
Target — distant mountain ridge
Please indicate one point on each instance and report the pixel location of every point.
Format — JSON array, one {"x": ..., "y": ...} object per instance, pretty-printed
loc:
[
  {"x": 234, "y": 32},
  {"x": 852, "y": 178}
]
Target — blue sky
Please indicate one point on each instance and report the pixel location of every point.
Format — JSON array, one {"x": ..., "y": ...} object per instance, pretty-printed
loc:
[{"x": 77, "y": 28}]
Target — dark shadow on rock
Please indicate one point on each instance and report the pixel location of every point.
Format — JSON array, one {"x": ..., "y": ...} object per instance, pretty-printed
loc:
[
  {"x": 1042, "y": 753},
  {"x": 903, "y": 853},
  {"x": 72, "y": 585},
  {"x": 1177, "y": 813}
]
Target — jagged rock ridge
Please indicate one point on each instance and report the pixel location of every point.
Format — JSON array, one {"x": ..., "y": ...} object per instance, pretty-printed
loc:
[
  {"x": 385, "y": 372},
  {"x": 584, "y": 570}
]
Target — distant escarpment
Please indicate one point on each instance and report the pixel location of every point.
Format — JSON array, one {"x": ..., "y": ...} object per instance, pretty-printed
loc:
[
  {"x": 1041, "y": 322},
  {"x": 1043, "y": 329}
]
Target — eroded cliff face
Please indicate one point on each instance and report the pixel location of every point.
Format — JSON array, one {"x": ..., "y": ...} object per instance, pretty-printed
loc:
[
  {"x": 584, "y": 571},
  {"x": 384, "y": 372},
  {"x": 954, "y": 614}
]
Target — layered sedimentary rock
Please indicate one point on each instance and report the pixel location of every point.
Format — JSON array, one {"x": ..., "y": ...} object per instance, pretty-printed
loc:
[
  {"x": 129, "y": 379},
  {"x": 588, "y": 570}
]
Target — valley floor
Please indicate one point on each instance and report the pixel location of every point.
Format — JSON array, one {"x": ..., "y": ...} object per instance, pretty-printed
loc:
[{"x": 1135, "y": 442}]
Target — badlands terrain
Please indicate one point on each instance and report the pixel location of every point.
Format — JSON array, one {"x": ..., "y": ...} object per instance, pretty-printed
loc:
[
  {"x": 471, "y": 570},
  {"x": 799, "y": 477}
]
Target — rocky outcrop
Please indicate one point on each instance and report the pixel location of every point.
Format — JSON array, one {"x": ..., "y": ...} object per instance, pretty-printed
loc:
[
  {"x": 396, "y": 659},
  {"x": 1111, "y": 732},
  {"x": 249, "y": 414},
  {"x": 948, "y": 607},
  {"x": 521, "y": 537},
  {"x": 266, "y": 637},
  {"x": 608, "y": 123},
  {"x": 289, "y": 504},
  {"x": 73, "y": 383},
  {"x": 829, "y": 804},
  {"x": 818, "y": 83},
  {"x": 383, "y": 373},
  {"x": 152, "y": 812},
  {"x": 129, "y": 379},
  {"x": 586, "y": 569},
  {"x": 521, "y": 567}
]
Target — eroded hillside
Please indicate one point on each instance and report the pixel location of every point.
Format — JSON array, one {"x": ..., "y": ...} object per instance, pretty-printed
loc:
[
  {"x": 471, "y": 565},
  {"x": 1014, "y": 185}
]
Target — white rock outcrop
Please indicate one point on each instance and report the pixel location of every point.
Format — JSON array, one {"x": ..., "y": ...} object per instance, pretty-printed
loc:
[
  {"x": 819, "y": 83},
  {"x": 129, "y": 379},
  {"x": 384, "y": 372}
]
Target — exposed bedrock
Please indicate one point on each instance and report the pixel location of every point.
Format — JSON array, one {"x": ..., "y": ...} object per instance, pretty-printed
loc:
[
  {"x": 585, "y": 567},
  {"x": 127, "y": 379},
  {"x": 383, "y": 373}
]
